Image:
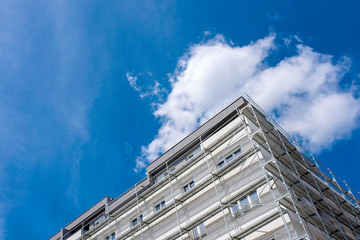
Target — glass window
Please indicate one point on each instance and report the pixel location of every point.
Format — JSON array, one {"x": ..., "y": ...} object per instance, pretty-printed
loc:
[
  {"x": 229, "y": 158},
  {"x": 159, "y": 205},
  {"x": 159, "y": 178},
  {"x": 198, "y": 231},
  {"x": 202, "y": 228},
  {"x": 244, "y": 203},
  {"x": 235, "y": 210},
  {"x": 112, "y": 237},
  {"x": 195, "y": 232},
  {"x": 189, "y": 185},
  {"x": 134, "y": 222},
  {"x": 237, "y": 152},
  {"x": 194, "y": 153},
  {"x": 254, "y": 198},
  {"x": 221, "y": 164}
]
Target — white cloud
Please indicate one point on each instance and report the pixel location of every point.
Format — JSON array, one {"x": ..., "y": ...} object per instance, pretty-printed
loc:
[
  {"x": 150, "y": 91},
  {"x": 303, "y": 90},
  {"x": 132, "y": 81},
  {"x": 291, "y": 38}
]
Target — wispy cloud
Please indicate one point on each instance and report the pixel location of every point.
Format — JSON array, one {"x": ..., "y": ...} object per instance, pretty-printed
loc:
[
  {"x": 303, "y": 90},
  {"x": 273, "y": 16},
  {"x": 133, "y": 82},
  {"x": 290, "y": 39},
  {"x": 155, "y": 90}
]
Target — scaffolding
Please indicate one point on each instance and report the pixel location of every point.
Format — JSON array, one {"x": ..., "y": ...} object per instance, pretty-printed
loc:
[
  {"x": 302, "y": 161},
  {"x": 247, "y": 153}
]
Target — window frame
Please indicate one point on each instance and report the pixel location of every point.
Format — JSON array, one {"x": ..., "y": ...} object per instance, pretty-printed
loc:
[
  {"x": 136, "y": 220},
  {"x": 193, "y": 153},
  {"x": 221, "y": 164},
  {"x": 112, "y": 235},
  {"x": 189, "y": 186},
  {"x": 164, "y": 174},
  {"x": 199, "y": 231},
  {"x": 229, "y": 157},
  {"x": 161, "y": 204},
  {"x": 234, "y": 153},
  {"x": 238, "y": 209}
]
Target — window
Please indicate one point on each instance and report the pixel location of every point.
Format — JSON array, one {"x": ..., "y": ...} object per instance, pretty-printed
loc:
[
  {"x": 221, "y": 164},
  {"x": 233, "y": 155},
  {"x": 254, "y": 198},
  {"x": 112, "y": 237},
  {"x": 160, "y": 205},
  {"x": 159, "y": 178},
  {"x": 164, "y": 175},
  {"x": 235, "y": 210},
  {"x": 198, "y": 231},
  {"x": 245, "y": 204},
  {"x": 167, "y": 173},
  {"x": 135, "y": 221},
  {"x": 188, "y": 186},
  {"x": 237, "y": 152},
  {"x": 193, "y": 153},
  {"x": 228, "y": 158},
  {"x": 97, "y": 221}
]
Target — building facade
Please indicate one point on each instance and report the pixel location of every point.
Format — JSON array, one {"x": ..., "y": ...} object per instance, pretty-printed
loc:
[{"x": 238, "y": 176}]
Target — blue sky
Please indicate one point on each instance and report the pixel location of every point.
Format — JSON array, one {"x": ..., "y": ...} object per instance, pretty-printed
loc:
[{"x": 91, "y": 91}]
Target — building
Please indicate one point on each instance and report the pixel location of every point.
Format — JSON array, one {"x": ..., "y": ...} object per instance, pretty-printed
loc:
[{"x": 238, "y": 176}]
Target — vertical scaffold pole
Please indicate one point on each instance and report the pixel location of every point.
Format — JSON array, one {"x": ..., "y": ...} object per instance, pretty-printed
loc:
[
  {"x": 138, "y": 210},
  {"x": 108, "y": 219},
  {"x": 308, "y": 169},
  {"x": 214, "y": 183},
  {"x": 332, "y": 213},
  {"x": 326, "y": 182},
  {"x": 331, "y": 189},
  {"x": 319, "y": 189},
  {"x": 280, "y": 174},
  {"x": 356, "y": 205},
  {"x": 277, "y": 203},
  {"x": 172, "y": 192},
  {"x": 82, "y": 231},
  {"x": 340, "y": 204},
  {"x": 299, "y": 177}
]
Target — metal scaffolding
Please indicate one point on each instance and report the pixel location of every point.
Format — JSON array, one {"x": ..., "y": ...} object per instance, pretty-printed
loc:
[
  {"x": 293, "y": 189},
  {"x": 318, "y": 178}
]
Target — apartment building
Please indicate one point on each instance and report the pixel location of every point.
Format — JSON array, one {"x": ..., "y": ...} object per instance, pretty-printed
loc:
[{"x": 238, "y": 176}]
